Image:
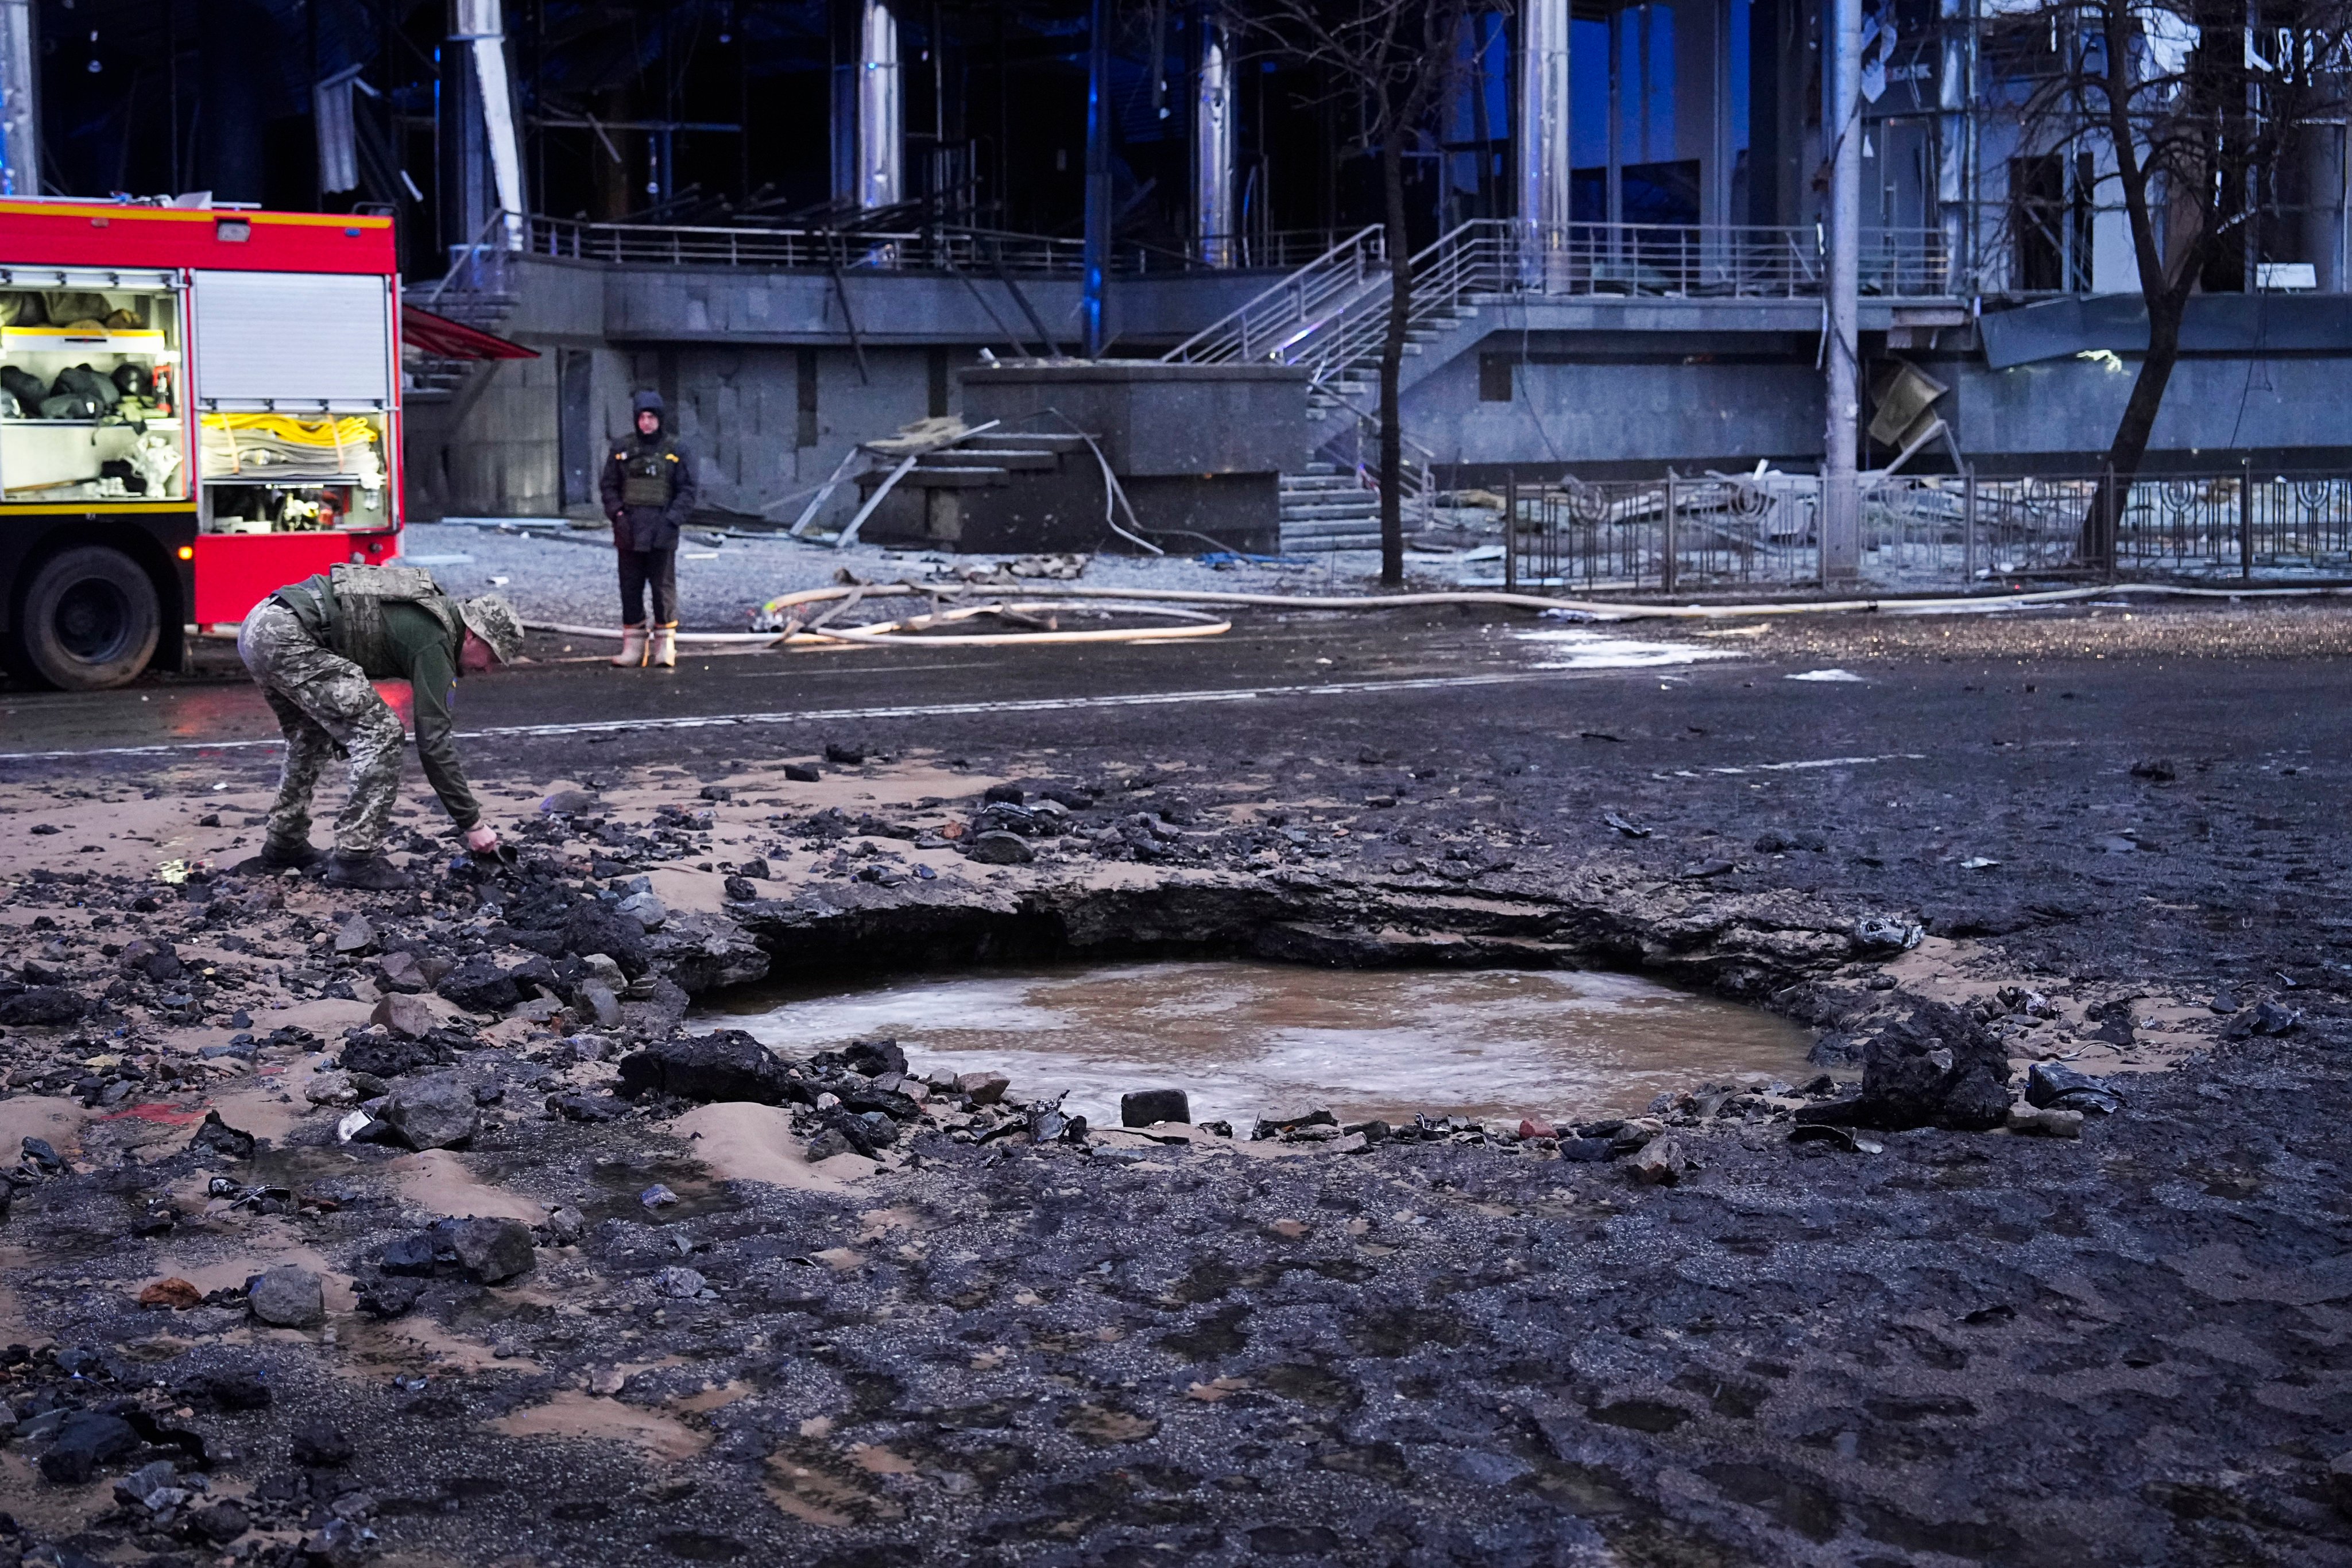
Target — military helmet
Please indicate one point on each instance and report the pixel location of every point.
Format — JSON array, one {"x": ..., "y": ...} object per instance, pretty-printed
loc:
[{"x": 494, "y": 621}]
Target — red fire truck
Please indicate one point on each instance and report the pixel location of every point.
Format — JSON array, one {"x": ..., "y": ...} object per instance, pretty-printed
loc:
[{"x": 197, "y": 406}]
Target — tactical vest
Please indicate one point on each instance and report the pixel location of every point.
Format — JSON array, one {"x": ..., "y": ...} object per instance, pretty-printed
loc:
[
  {"x": 351, "y": 602},
  {"x": 648, "y": 473}
]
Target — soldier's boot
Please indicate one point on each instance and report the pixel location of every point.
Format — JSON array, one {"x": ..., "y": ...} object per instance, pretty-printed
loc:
[
  {"x": 632, "y": 648},
  {"x": 276, "y": 856},
  {"x": 367, "y": 872},
  {"x": 664, "y": 647}
]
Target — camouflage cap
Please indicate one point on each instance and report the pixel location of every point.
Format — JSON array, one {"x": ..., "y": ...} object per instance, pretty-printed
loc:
[{"x": 494, "y": 621}]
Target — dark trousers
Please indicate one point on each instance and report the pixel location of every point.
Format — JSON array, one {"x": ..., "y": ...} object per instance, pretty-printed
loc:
[{"x": 640, "y": 568}]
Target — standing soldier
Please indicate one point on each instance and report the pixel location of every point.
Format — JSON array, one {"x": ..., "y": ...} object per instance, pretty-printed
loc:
[
  {"x": 313, "y": 647},
  {"x": 649, "y": 490}
]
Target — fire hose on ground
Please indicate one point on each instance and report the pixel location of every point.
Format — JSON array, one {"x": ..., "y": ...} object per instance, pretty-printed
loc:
[{"x": 814, "y": 630}]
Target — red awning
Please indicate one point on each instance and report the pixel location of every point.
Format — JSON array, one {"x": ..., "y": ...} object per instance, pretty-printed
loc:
[{"x": 447, "y": 340}]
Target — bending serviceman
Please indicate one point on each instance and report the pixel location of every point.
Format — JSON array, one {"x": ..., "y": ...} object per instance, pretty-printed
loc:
[
  {"x": 314, "y": 647},
  {"x": 648, "y": 491}
]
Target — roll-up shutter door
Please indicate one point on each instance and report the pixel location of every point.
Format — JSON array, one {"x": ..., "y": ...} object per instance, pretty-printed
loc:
[{"x": 292, "y": 340}]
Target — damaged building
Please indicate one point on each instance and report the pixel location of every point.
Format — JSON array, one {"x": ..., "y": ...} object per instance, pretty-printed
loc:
[{"x": 808, "y": 223}]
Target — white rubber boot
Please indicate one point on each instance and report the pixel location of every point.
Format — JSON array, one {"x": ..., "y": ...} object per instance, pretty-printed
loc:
[
  {"x": 632, "y": 648},
  {"x": 665, "y": 648}
]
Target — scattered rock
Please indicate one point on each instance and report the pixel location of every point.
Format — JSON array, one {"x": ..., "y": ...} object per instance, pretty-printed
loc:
[
  {"x": 151, "y": 958},
  {"x": 566, "y": 1226},
  {"x": 405, "y": 1015},
  {"x": 223, "y": 1139},
  {"x": 1939, "y": 1066},
  {"x": 831, "y": 1142},
  {"x": 220, "y": 1522},
  {"x": 1658, "y": 1162},
  {"x": 2157, "y": 770},
  {"x": 847, "y": 756},
  {"x": 356, "y": 937},
  {"x": 592, "y": 929},
  {"x": 387, "y": 1297},
  {"x": 2054, "y": 1085},
  {"x": 490, "y": 1250},
  {"x": 435, "y": 1113},
  {"x": 1537, "y": 1127},
  {"x": 572, "y": 803},
  {"x": 982, "y": 1088},
  {"x": 801, "y": 773},
  {"x": 479, "y": 986},
  {"x": 1000, "y": 848},
  {"x": 2272, "y": 1018},
  {"x": 727, "y": 1064},
  {"x": 87, "y": 1441},
  {"x": 650, "y": 912},
  {"x": 1146, "y": 1106},
  {"x": 741, "y": 889},
  {"x": 286, "y": 1297},
  {"x": 678, "y": 1283},
  {"x": 875, "y": 1057},
  {"x": 41, "y": 1005},
  {"x": 593, "y": 1110},
  {"x": 401, "y": 972},
  {"x": 329, "y": 1089},
  {"x": 597, "y": 1004},
  {"x": 321, "y": 1445}
]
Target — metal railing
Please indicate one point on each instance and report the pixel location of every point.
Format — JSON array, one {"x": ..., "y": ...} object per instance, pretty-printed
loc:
[
  {"x": 1273, "y": 321},
  {"x": 1920, "y": 532},
  {"x": 796, "y": 250},
  {"x": 1332, "y": 315},
  {"x": 1716, "y": 262}
]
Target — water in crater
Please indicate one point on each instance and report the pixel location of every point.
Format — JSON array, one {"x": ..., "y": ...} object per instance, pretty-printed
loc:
[{"x": 1246, "y": 1040}]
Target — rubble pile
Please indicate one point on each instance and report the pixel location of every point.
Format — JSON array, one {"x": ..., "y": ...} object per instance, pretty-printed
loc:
[{"x": 348, "y": 1228}]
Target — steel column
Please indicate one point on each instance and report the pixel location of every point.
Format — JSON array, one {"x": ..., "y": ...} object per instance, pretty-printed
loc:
[
  {"x": 881, "y": 109},
  {"x": 1954, "y": 112},
  {"x": 1098, "y": 215},
  {"x": 1213, "y": 149},
  {"x": 1541, "y": 134}
]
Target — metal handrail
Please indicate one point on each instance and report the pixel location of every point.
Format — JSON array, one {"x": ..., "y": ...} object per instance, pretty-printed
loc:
[{"x": 1263, "y": 326}]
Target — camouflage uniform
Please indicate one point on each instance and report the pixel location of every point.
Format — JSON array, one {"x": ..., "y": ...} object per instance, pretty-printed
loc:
[
  {"x": 316, "y": 647},
  {"x": 327, "y": 707}
]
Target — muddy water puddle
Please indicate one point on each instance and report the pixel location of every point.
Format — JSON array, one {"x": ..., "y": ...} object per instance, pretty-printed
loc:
[{"x": 1246, "y": 1040}]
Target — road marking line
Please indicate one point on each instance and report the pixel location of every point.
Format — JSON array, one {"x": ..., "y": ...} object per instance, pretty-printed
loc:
[{"x": 836, "y": 715}]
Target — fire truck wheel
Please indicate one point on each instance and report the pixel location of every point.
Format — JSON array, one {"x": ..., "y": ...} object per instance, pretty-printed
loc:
[{"x": 90, "y": 620}]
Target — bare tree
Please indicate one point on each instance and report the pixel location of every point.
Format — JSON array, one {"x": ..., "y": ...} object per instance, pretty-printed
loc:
[
  {"x": 2196, "y": 103},
  {"x": 1393, "y": 61}
]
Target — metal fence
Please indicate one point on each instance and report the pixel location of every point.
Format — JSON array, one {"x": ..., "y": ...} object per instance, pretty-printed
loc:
[{"x": 1919, "y": 532}]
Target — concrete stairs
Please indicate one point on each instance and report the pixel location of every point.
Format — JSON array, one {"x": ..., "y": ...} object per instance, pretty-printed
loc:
[
  {"x": 990, "y": 459},
  {"x": 429, "y": 379},
  {"x": 1354, "y": 383},
  {"x": 1324, "y": 508}
]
